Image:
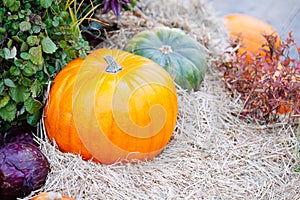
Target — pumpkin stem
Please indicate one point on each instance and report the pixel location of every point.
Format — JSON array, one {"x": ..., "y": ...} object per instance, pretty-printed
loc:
[
  {"x": 112, "y": 66},
  {"x": 166, "y": 49}
]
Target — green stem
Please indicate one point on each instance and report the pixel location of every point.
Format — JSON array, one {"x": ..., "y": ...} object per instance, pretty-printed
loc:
[{"x": 112, "y": 66}]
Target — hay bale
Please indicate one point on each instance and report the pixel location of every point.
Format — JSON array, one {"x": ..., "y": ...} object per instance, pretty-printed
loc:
[{"x": 212, "y": 155}]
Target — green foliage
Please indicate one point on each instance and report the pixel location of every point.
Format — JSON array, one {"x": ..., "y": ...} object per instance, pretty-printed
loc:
[{"x": 37, "y": 39}]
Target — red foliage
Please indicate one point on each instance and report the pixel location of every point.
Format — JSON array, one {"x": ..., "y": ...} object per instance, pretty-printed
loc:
[{"x": 268, "y": 85}]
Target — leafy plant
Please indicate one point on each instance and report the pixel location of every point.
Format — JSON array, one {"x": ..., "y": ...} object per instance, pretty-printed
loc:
[
  {"x": 37, "y": 40},
  {"x": 268, "y": 85}
]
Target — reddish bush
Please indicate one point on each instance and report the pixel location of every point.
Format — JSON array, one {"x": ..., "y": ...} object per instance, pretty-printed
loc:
[{"x": 268, "y": 85}]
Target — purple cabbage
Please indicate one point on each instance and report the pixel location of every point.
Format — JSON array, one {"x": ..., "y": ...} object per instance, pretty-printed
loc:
[
  {"x": 21, "y": 133},
  {"x": 23, "y": 168}
]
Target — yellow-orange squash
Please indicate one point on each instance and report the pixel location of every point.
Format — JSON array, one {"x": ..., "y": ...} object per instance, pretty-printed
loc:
[
  {"x": 112, "y": 106},
  {"x": 251, "y": 30}
]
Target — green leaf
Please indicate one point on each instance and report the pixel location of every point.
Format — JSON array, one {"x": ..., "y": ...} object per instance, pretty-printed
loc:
[
  {"x": 24, "y": 46},
  {"x": 16, "y": 38},
  {"x": 15, "y": 17},
  {"x": 24, "y": 26},
  {"x": 13, "y": 5},
  {"x": 63, "y": 44},
  {"x": 21, "y": 16},
  {"x": 2, "y": 30},
  {"x": 48, "y": 45},
  {"x": 10, "y": 53},
  {"x": 36, "y": 55},
  {"x": 55, "y": 23},
  {"x": 36, "y": 88},
  {"x": 1, "y": 87},
  {"x": 9, "y": 43},
  {"x": 8, "y": 3},
  {"x": 48, "y": 23},
  {"x": 36, "y": 29},
  {"x": 2, "y": 11},
  {"x": 2, "y": 54},
  {"x": 32, "y": 105},
  {"x": 15, "y": 26},
  {"x": 19, "y": 93},
  {"x": 21, "y": 111},
  {"x": 45, "y": 3},
  {"x": 28, "y": 71},
  {"x": 26, "y": 82},
  {"x": 4, "y": 100},
  {"x": 15, "y": 71},
  {"x": 25, "y": 56},
  {"x": 65, "y": 15},
  {"x": 8, "y": 113},
  {"x": 32, "y": 40},
  {"x": 34, "y": 118},
  {"x": 18, "y": 62},
  {"x": 9, "y": 83}
]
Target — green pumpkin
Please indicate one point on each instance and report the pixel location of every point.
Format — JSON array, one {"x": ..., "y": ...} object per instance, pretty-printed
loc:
[{"x": 179, "y": 54}]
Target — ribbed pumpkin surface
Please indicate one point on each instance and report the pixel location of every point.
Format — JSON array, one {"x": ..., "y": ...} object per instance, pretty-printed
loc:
[
  {"x": 180, "y": 55},
  {"x": 109, "y": 116}
]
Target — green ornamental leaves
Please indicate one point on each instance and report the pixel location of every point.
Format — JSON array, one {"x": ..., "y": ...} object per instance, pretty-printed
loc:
[
  {"x": 8, "y": 112},
  {"x": 45, "y": 3},
  {"x": 32, "y": 40},
  {"x": 4, "y": 100},
  {"x": 37, "y": 41},
  {"x": 48, "y": 45},
  {"x": 32, "y": 105},
  {"x": 25, "y": 26},
  {"x": 10, "y": 53},
  {"x": 13, "y": 5},
  {"x": 19, "y": 93},
  {"x": 36, "y": 56},
  {"x": 9, "y": 83}
]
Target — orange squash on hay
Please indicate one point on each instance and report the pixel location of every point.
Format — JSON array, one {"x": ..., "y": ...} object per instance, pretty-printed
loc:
[
  {"x": 112, "y": 106},
  {"x": 51, "y": 196},
  {"x": 250, "y": 29}
]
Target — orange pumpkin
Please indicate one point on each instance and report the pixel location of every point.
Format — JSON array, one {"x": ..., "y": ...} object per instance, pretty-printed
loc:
[
  {"x": 112, "y": 106},
  {"x": 51, "y": 196},
  {"x": 250, "y": 29}
]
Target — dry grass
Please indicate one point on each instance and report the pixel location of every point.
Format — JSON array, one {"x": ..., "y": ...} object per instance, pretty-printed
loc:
[{"x": 213, "y": 154}]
